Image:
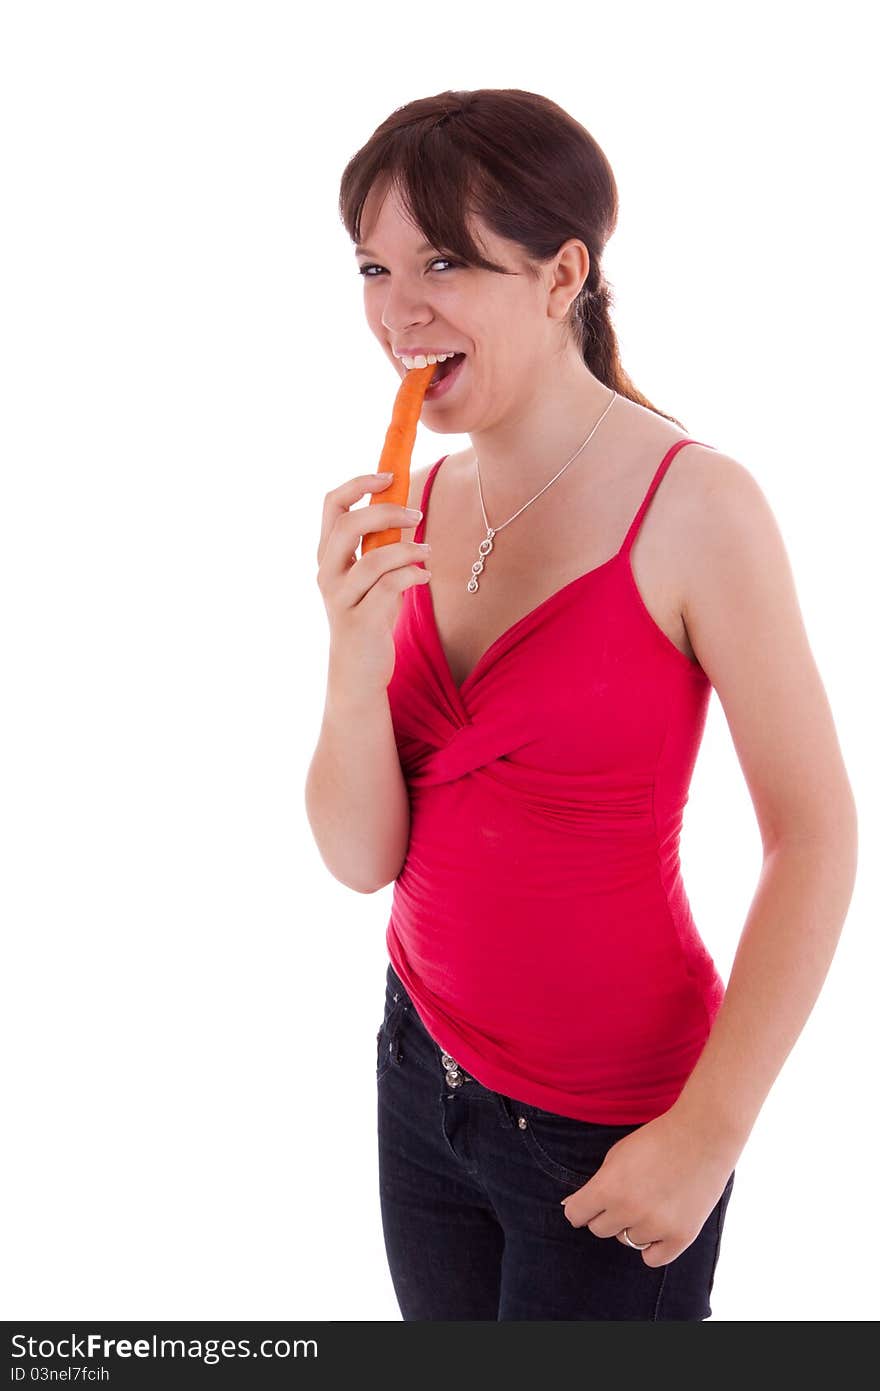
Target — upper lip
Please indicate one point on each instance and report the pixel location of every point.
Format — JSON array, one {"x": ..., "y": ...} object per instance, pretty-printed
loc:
[{"x": 422, "y": 352}]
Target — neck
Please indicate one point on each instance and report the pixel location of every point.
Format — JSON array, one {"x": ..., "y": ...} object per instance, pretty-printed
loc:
[{"x": 521, "y": 453}]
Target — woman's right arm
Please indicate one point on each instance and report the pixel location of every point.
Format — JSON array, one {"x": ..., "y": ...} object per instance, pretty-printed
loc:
[
  {"x": 357, "y": 801},
  {"x": 356, "y": 798}
]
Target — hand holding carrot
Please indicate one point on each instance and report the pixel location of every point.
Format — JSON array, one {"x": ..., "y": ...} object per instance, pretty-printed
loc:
[{"x": 362, "y": 595}]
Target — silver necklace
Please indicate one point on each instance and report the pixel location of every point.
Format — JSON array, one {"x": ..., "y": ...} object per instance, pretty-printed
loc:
[{"x": 491, "y": 531}]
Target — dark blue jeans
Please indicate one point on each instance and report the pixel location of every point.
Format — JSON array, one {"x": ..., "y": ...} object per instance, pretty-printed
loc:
[{"x": 470, "y": 1183}]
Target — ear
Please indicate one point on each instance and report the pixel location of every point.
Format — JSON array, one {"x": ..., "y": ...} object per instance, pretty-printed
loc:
[{"x": 570, "y": 271}]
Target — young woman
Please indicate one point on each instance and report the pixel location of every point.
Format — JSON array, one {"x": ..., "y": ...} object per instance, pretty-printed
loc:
[{"x": 517, "y": 690}]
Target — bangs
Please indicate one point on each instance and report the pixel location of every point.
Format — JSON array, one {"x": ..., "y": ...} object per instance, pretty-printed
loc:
[{"x": 439, "y": 189}]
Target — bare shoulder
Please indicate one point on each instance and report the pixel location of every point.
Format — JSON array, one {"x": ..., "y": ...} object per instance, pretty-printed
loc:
[
  {"x": 723, "y": 531},
  {"x": 738, "y": 591},
  {"x": 710, "y": 533},
  {"x": 719, "y": 507},
  {"x": 704, "y": 470}
]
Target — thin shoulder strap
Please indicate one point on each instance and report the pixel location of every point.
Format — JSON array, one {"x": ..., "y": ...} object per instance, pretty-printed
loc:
[
  {"x": 423, "y": 504},
  {"x": 654, "y": 485}
]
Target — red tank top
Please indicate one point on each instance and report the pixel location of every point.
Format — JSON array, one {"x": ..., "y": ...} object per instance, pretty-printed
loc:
[{"x": 540, "y": 922}]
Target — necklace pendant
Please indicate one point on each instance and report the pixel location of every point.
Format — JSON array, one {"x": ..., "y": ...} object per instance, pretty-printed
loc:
[{"x": 477, "y": 567}]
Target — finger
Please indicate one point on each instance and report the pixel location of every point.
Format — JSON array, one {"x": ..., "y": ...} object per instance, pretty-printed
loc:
[
  {"x": 339, "y": 551},
  {"x": 581, "y": 1214},
  {"x": 341, "y": 499},
  {"x": 605, "y": 1224},
  {"x": 659, "y": 1253},
  {"x": 391, "y": 583},
  {"x": 634, "y": 1237},
  {"x": 340, "y": 560},
  {"x": 389, "y": 569},
  {"x": 584, "y": 1194}
]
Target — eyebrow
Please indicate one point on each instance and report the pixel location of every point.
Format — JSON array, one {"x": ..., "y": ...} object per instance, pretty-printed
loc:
[{"x": 365, "y": 250}]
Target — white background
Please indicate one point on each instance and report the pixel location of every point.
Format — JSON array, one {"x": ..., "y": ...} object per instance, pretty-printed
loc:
[{"x": 190, "y": 1000}]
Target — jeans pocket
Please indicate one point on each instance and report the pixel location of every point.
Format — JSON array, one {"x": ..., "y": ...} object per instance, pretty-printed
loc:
[
  {"x": 568, "y": 1150},
  {"x": 386, "y": 1038}
]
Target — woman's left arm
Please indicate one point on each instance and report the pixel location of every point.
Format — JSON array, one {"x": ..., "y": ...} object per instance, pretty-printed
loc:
[
  {"x": 660, "y": 1182},
  {"x": 746, "y": 628}
]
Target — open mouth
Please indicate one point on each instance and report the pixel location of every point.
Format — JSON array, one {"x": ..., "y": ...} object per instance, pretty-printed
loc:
[
  {"x": 445, "y": 375},
  {"x": 444, "y": 369}
]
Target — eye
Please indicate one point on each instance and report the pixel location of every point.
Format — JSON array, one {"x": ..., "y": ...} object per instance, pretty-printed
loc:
[{"x": 365, "y": 270}]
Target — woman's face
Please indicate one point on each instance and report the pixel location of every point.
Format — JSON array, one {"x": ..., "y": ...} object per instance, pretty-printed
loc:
[{"x": 414, "y": 299}]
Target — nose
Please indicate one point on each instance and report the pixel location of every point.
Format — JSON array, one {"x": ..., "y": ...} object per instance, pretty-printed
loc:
[{"x": 413, "y": 315}]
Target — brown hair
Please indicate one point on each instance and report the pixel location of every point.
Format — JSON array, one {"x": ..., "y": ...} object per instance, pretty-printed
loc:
[{"x": 526, "y": 167}]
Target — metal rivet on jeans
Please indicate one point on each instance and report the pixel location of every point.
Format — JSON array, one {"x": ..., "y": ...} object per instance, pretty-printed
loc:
[{"x": 522, "y": 1122}]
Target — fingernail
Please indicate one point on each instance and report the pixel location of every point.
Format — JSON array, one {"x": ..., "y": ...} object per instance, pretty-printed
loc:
[
  {"x": 414, "y": 513},
  {"x": 383, "y": 475}
]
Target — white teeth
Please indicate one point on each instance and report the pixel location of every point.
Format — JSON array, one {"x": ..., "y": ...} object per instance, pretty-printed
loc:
[{"x": 422, "y": 361}]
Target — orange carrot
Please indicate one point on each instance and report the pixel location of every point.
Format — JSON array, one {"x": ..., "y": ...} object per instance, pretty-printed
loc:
[{"x": 398, "y": 447}]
